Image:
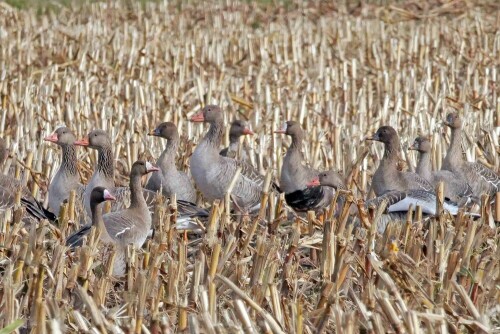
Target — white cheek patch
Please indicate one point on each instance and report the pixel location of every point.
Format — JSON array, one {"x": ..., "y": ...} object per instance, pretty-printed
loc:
[
  {"x": 149, "y": 166},
  {"x": 284, "y": 126}
]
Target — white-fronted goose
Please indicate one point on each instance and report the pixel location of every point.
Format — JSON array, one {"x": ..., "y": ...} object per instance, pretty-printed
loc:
[
  {"x": 97, "y": 196},
  {"x": 213, "y": 173},
  {"x": 104, "y": 176},
  {"x": 170, "y": 180},
  {"x": 131, "y": 225},
  {"x": 9, "y": 186},
  {"x": 238, "y": 129},
  {"x": 455, "y": 188},
  {"x": 388, "y": 177},
  {"x": 127, "y": 226},
  {"x": 67, "y": 177},
  {"x": 295, "y": 175},
  {"x": 481, "y": 179},
  {"x": 398, "y": 202}
]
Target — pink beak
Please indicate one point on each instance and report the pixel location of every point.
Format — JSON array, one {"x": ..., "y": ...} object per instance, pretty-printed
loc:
[
  {"x": 199, "y": 117},
  {"x": 82, "y": 142},
  {"x": 150, "y": 168},
  {"x": 314, "y": 183},
  {"x": 247, "y": 131},
  {"x": 108, "y": 196},
  {"x": 52, "y": 138}
]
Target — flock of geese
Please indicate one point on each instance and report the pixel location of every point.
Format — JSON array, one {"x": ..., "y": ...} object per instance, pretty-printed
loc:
[{"x": 129, "y": 220}]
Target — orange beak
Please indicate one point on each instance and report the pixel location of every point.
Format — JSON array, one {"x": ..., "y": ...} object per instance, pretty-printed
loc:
[
  {"x": 247, "y": 131},
  {"x": 52, "y": 138},
  {"x": 82, "y": 142},
  {"x": 198, "y": 117},
  {"x": 280, "y": 131},
  {"x": 314, "y": 183},
  {"x": 412, "y": 147}
]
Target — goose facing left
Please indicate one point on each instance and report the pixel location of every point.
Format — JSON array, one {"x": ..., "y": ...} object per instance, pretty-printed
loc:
[
  {"x": 170, "y": 180},
  {"x": 67, "y": 178},
  {"x": 387, "y": 177},
  {"x": 104, "y": 176},
  {"x": 213, "y": 173}
]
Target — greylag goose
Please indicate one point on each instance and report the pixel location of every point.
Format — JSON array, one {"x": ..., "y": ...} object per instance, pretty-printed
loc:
[
  {"x": 67, "y": 177},
  {"x": 131, "y": 225},
  {"x": 455, "y": 188},
  {"x": 9, "y": 186},
  {"x": 97, "y": 196},
  {"x": 481, "y": 179},
  {"x": 388, "y": 177},
  {"x": 104, "y": 176},
  {"x": 295, "y": 175},
  {"x": 213, "y": 173},
  {"x": 170, "y": 180},
  {"x": 238, "y": 128}
]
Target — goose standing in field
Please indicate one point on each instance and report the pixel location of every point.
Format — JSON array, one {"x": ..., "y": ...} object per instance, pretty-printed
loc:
[
  {"x": 130, "y": 225},
  {"x": 104, "y": 176},
  {"x": 481, "y": 179},
  {"x": 97, "y": 196},
  {"x": 9, "y": 186},
  {"x": 170, "y": 180},
  {"x": 213, "y": 173},
  {"x": 67, "y": 177},
  {"x": 295, "y": 175},
  {"x": 455, "y": 188},
  {"x": 388, "y": 177},
  {"x": 238, "y": 128},
  {"x": 104, "y": 172},
  {"x": 398, "y": 202}
]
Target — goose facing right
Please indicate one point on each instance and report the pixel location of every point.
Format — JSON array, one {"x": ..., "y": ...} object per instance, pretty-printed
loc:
[
  {"x": 238, "y": 129},
  {"x": 97, "y": 196},
  {"x": 128, "y": 226},
  {"x": 295, "y": 175}
]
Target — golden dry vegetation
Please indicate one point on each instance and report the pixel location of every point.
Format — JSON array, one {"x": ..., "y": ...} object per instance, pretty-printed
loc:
[{"x": 342, "y": 71}]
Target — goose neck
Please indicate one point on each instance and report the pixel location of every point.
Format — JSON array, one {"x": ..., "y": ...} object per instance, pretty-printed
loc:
[
  {"x": 69, "y": 160},
  {"x": 105, "y": 164}
]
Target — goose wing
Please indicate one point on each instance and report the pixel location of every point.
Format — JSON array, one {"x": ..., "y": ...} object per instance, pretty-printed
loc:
[
  {"x": 487, "y": 176},
  {"x": 76, "y": 239},
  {"x": 124, "y": 227},
  {"x": 415, "y": 181}
]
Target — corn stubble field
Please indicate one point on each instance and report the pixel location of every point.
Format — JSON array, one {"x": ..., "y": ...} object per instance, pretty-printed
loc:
[{"x": 341, "y": 71}]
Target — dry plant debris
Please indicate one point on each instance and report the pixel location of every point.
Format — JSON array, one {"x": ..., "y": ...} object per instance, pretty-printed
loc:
[{"x": 341, "y": 70}]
